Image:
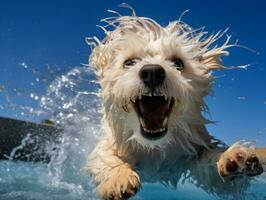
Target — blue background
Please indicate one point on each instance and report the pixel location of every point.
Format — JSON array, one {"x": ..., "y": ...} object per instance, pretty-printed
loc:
[{"x": 41, "y": 33}]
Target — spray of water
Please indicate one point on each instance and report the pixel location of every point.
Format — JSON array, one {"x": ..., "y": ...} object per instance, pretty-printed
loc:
[
  {"x": 72, "y": 99},
  {"x": 71, "y": 102}
]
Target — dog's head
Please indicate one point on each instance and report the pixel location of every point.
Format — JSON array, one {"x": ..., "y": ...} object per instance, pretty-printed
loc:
[{"x": 154, "y": 78}]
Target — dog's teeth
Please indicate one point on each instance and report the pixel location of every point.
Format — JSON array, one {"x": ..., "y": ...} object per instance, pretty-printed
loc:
[
  {"x": 154, "y": 131},
  {"x": 141, "y": 121},
  {"x": 169, "y": 102},
  {"x": 165, "y": 97},
  {"x": 140, "y": 96},
  {"x": 165, "y": 122}
]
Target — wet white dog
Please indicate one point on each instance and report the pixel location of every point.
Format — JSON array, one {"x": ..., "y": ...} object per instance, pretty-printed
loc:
[{"x": 153, "y": 83}]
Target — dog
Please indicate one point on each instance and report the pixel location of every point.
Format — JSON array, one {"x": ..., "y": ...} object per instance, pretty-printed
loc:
[{"x": 153, "y": 82}]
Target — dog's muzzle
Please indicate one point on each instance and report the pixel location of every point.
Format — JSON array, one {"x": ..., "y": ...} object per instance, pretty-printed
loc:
[{"x": 153, "y": 109}]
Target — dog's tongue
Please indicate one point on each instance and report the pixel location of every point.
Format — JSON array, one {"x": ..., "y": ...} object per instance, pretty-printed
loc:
[{"x": 153, "y": 109}]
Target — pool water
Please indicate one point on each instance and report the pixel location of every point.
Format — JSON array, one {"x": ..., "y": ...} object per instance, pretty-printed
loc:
[
  {"x": 34, "y": 181},
  {"x": 71, "y": 101}
]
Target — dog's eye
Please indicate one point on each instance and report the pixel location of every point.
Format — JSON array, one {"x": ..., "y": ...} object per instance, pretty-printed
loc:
[
  {"x": 178, "y": 63},
  {"x": 130, "y": 62}
]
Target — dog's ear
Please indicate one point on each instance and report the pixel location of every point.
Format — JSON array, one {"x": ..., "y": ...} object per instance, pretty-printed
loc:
[
  {"x": 209, "y": 54},
  {"x": 212, "y": 56},
  {"x": 98, "y": 60},
  {"x": 212, "y": 59}
]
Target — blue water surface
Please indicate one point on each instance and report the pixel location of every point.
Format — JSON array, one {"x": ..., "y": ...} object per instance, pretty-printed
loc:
[{"x": 34, "y": 181}]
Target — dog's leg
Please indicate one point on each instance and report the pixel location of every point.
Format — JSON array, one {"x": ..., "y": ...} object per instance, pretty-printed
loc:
[
  {"x": 226, "y": 171},
  {"x": 115, "y": 179}
]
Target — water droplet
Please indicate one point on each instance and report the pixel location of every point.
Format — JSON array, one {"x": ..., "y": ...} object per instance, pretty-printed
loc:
[
  {"x": 241, "y": 98},
  {"x": 23, "y": 64}
]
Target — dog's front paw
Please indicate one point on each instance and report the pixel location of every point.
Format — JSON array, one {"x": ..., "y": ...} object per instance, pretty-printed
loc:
[
  {"x": 240, "y": 159},
  {"x": 122, "y": 183}
]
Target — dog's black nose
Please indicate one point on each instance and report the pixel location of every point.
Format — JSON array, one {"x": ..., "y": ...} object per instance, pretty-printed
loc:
[{"x": 152, "y": 75}]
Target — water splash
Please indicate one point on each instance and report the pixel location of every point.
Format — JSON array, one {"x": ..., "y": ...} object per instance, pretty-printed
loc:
[
  {"x": 24, "y": 141},
  {"x": 71, "y": 102}
]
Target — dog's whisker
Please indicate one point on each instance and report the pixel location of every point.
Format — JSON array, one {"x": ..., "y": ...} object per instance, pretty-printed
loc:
[{"x": 125, "y": 108}]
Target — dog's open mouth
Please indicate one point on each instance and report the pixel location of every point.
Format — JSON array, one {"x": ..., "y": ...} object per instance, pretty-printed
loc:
[{"x": 153, "y": 113}]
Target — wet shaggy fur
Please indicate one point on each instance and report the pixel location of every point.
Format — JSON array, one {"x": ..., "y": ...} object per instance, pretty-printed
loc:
[{"x": 123, "y": 158}]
